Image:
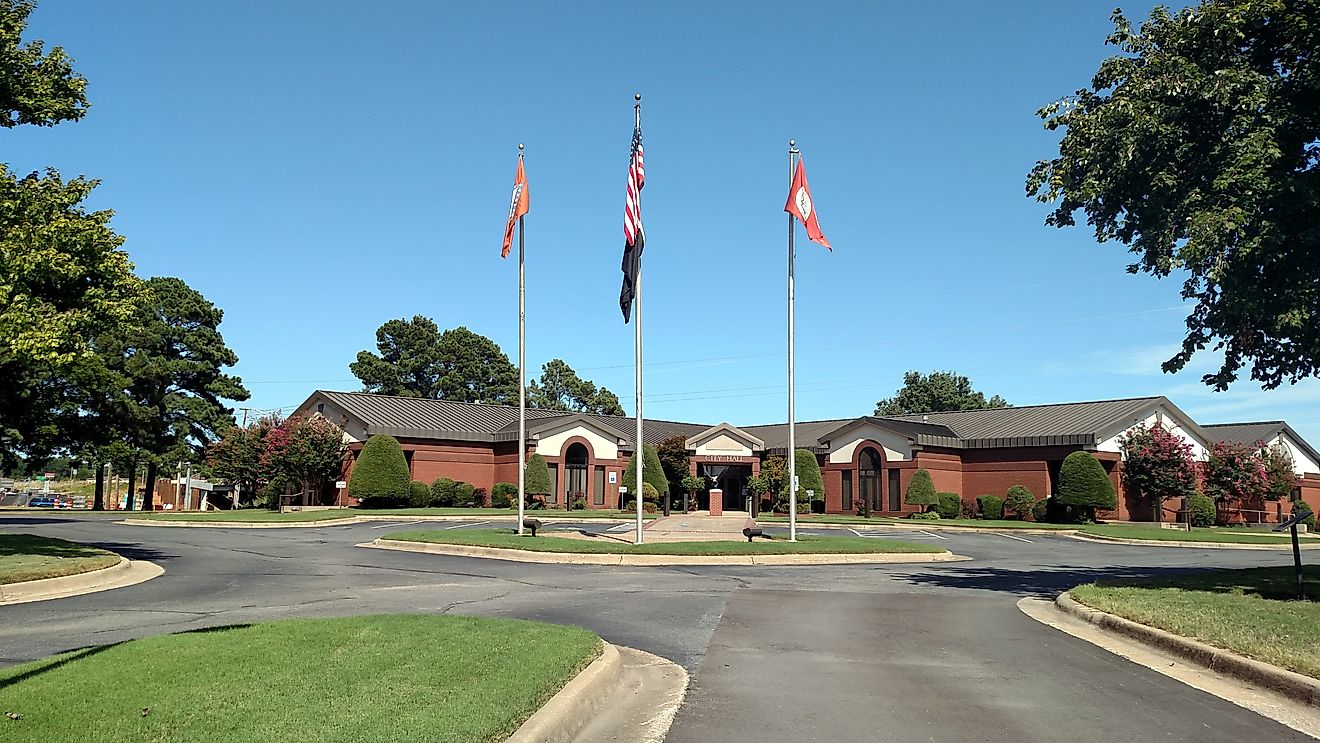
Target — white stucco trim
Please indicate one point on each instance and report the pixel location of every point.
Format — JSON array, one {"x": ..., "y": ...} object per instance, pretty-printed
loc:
[
  {"x": 1172, "y": 422},
  {"x": 601, "y": 446},
  {"x": 897, "y": 448}
]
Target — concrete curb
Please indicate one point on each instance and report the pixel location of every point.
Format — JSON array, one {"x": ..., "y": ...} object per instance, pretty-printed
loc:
[
  {"x": 1098, "y": 539},
  {"x": 366, "y": 518},
  {"x": 925, "y": 526},
  {"x": 581, "y": 558},
  {"x": 123, "y": 573},
  {"x": 560, "y": 719},
  {"x": 1294, "y": 686}
]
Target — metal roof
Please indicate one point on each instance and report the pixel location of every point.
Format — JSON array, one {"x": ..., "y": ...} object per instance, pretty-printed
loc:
[
  {"x": 1065, "y": 424},
  {"x": 1250, "y": 433}
]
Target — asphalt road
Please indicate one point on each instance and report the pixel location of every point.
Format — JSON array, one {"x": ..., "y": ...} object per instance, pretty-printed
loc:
[{"x": 909, "y": 652}]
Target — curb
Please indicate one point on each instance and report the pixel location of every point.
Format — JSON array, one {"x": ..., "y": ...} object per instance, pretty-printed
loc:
[
  {"x": 1098, "y": 539},
  {"x": 924, "y": 526},
  {"x": 1294, "y": 686},
  {"x": 582, "y": 558},
  {"x": 560, "y": 719},
  {"x": 366, "y": 518},
  {"x": 126, "y": 572}
]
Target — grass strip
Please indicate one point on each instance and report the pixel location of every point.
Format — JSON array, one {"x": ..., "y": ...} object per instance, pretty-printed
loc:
[
  {"x": 1239, "y": 610},
  {"x": 1227, "y": 535},
  {"x": 373, "y": 678},
  {"x": 26, "y": 557},
  {"x": 807, "y": 521},
  {"x": 506, "y": 539},
  {"x": 261, "y": 515}
]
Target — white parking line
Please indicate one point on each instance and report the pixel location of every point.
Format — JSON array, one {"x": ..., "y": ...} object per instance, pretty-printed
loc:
[
  {"x": 393, "y": 523},
  {"x": 858, "y": 533},
  {"x": 460, "y": 526},
  {"x": 1010, "y": 536},
  {"x": 622, "y": 527},
  {"x": 937, "y": 536}
]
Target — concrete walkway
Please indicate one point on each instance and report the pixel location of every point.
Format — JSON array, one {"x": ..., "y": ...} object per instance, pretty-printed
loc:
[{"x": 698, "y": 526}]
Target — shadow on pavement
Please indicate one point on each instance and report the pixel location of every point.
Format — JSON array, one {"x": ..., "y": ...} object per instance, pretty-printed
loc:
[
  {"x": 134, "y": 551},
  {"x": 1038, "y": 583}
]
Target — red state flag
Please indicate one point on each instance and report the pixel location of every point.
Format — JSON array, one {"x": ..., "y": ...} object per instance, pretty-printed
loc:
[
  {"x": 518, "y": 206},
  {"x": 800, "y": 205}
]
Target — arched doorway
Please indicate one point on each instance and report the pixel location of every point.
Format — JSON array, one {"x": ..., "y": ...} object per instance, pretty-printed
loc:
[
  {"x": 575, "y": 473},
  {"x": 868, "y": 479}
]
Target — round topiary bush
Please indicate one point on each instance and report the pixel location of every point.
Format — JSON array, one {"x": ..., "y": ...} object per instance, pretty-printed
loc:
[
  {"x": 992, "y": 507},
  {"x": 442, "y": 492},
  {"x": 1040, "y": 512},
  {"x": 380, "y": 476},
  {"x": 579, "y": 504},
  {"x": 649, "y": 493},
  {"x": 921, "y": 491},
  {"x": 1299, "y": 506},
  {"x": 419, "y": 494},
  {"x": 1084, "y": 485},
  {"x": 927, "y": 516},
  {"x": 463, "y": 494},
  {"x": 1018, "y": 502},
  {"x": 1201, "y": 508},
  {"x": 536, "y": 477},
  {"x": 949, "y": 505},
  {"x": 808, "y": 472}
]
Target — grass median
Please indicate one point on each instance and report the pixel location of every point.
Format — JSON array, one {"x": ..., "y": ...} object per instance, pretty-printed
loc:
[
  {"x": 1244, "y": 611},
  {"x": 846, "y": 519},
  {"x": 397, "y": 678},
  {"x": 506, "y": 539},
  {"x": 261, "y": 515},
  {"x": 25, "y": 557},
  {"x": 1227, "y": 535}
]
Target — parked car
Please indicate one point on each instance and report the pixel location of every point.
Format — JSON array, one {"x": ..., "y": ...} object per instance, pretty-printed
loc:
[{"x": 43, "y": 501}]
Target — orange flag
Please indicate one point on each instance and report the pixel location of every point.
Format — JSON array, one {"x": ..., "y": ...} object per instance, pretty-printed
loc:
[
  {"x": 800, "y": 205},
  {"x": 518, "y": 206}
]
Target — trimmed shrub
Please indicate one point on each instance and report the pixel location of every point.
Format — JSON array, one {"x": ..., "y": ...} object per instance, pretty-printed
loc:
[
  {"x": 504, "y": 488},
  {"x": 808, "y": 472},
  {"x": 442, "y": 492},
  {"x": 1018, "y": 502},
  {"x": 580, "y": 504},
  {"x": 419, "y": 494},
  {"x": 1084, "y": 485},
  {"x": 992, "y": 507},
  {"x": 649, "y": 492},
  {"x": 1041, "y": 510},
  {"x": 1299, "y": 506},
  {"x": 921, "y": 491},
  {"x": 949, "y": 505},
  {"x": 647, "y": 506},
  {"x": 479, "y": 499},
  {"x": 380, "y": 476},
  {"x": 967, "y": 509},
  {"x": 503, "y": 500},
  {"x": 927, "y": 516},
  {"x": 463, "y": 493},
  {"x": 536, "y": 477},
  {"x": 1202, "y": 509},
  {"x": 652, "y": 473}
]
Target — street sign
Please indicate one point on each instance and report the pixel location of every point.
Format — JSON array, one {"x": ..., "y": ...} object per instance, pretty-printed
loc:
[
  {"x": 340, "y": 484},
  {"x": 811, "y": 494},
  {"x": 614, "y": 477},
  {"x": 49, "y": 476},
  {"x": 797, "y": 482}
]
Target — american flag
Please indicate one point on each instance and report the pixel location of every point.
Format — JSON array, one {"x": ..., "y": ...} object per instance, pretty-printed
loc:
[{"x": 633, "y": 234}]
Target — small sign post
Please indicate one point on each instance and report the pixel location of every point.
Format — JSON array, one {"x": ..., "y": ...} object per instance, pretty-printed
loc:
[
  {"x": 341, "y": 484},
  {"x": 1291, "y": 524}
]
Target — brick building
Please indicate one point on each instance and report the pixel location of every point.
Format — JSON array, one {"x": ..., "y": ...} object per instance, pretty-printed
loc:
[{"x": 871, "y": 459}]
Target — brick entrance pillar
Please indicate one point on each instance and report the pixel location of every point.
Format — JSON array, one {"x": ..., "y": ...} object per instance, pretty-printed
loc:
[{"x": 716, "y": 502}]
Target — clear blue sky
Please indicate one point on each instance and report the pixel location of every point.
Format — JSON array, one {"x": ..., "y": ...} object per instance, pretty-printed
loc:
[{"x": 318, "y": 168}]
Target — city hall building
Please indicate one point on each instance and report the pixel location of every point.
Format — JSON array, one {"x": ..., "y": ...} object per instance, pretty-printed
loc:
[{"x": 868, "y": 459}]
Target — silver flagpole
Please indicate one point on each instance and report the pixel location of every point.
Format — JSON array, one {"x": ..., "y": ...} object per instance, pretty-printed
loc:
[
  {"x": 637, "y": 338},
  {"x": 792, "y": 437},
  {"x": 522, "y": 372}
]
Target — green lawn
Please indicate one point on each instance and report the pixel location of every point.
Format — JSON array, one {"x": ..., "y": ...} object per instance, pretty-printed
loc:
[
  {"x": 805, "y": 545},
  {"x": 1227, "y": 535},
  {"x": 1238, "y": 610},
  {"x": 375, "y": 678},
  {"x": 863, "y": 520},
  {"x": 29, "y": 557},
  {"x": 252, "y": 515}
]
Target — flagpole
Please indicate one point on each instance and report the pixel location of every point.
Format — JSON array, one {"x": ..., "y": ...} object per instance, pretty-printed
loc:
[
  {"x": 792, "y": 438},
  {"x": 522, "y": 372},
  {"x": 637, "y": 345}
]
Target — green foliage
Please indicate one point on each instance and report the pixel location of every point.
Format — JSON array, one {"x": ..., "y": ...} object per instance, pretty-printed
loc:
[
  {"x": 560, "y": 388},
  {"x": 693, "y": 483},
  {"x": 504, "y": 488},
  {"x": 464, "y": 492},
  {"x": 416, "y": 360},
  {"x": 419, "y": 495},
  {"x": 948, "y": 505},
  {"x": 1280, "y": 471},
  {"x": 674, "y": 461},
  {"x": 503, "y": 495},
  {"x": 935, "y": 392},
  {"x": 1157, "y": 464},
  {"x": 1040, "y": 512},
  {"x": 1083, "y": 483},
  {"x": 991, "y": 506},
  {"x": 380, "y": 476},
  {"x": 647, "y": 506},
  {"x": 579, "y": 504},
  {"x": 1202, "y": 509},
  {"x": 921, "y": 490},
  {"x": 1018, "y": 502},
  {"x": 808, "y": 472},
  {"x": 36, "y": 87},
  {"x": 308, "y": 453},
  {"x": 649, "y": 493},
  {"x": 1234, "y": 472},
  {"x": 236, "y": 457},
  {"x": 442, "y": 492},
  {"x": 536, "y": 477},
  {"x": 1300, "y": 506},
  {"x": 775, "y": 471},
  {"x": 926, "y": 516},
  {"x": 652, "y": 473},
  {"x": 1196, "y": 149}
]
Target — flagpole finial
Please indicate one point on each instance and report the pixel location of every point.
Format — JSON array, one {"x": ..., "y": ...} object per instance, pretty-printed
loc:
[
  {"x": 520, "y": 147},
  {"x": 792, "y": 143},
  {"x": 637, "y": 96}
]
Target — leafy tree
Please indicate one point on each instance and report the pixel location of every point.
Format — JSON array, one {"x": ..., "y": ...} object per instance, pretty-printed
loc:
[
  {"x": 675, "y": 462},
  {"x": 921, "y": 490},
  {"x": 652, "y": 473},
  {"x": 36, "y": 87},
  {"x": 170, "y": 378},
  {"x": 308, "y": 452},
  {"x": 1084, "y": 485},
  {"x": 1018, "y": 502},
  {"x": 1280, "y": 471},
  {"x": 692, "y": 483},
  {"x": 1195, "y": 147},
  {"x": 380, "y": 475},
  {"x": 561, "y": 388},
  {"x": 1233, "y": 474},
  {"x": 236, "y": 457},
  {"x": 536, "y": 477},
  {"x": 1157, "y": 464},
  {"x": 775, "y": 471},
  {"x": 808, "y": 472},
  {"x": 416, "y": 360},
  {"x": 936, "y": 392}
]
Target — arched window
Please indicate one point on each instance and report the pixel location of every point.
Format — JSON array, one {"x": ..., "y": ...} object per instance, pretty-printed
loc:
[
  {"x": 575, "y": 473},
  {"x": 868, "y": 479}
]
